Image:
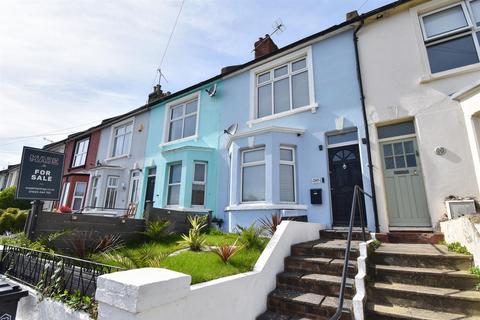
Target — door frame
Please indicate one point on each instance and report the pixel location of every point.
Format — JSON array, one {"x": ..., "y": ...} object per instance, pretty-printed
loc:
[{"x": 336, "y": 145}]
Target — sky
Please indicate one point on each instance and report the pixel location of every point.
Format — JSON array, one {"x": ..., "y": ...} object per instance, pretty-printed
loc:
[{"x": 66, "y": 65}]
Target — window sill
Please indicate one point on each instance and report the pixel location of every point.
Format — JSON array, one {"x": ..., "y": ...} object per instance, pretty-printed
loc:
[
  {"x": 266, "y": 206},
  {"x": 449, "y": 73},
  {"x": 166, "y": 144},
  {"x": 313, "y": 108},
  {"x": 117, "y": 157},
  {"x": 184, "y": 209}
]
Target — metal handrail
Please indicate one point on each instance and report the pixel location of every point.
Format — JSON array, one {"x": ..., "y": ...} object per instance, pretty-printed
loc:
[{"x": 355, "y": 202}]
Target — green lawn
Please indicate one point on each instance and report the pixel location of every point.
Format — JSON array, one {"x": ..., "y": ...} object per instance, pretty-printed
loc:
[{"x": 202, "y": 266}]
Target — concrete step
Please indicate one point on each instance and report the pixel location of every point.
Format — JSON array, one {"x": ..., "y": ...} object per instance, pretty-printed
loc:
[
  {"x": 323, "y": 265},
  {"x": 455, "y": 279},
  {"x": 268, "y": 315},
  {"x": 384, "y": 312},
  {"x": 410, "y": 237},
  {"x": 343, "y": 234},
  {"x": 421, "y": 256},
  {"x": 325, "y": 248},
  {"x": 310, "y": 305},
  {"x": 424, "y": 297},
  {"x": 316, "y": 283}
]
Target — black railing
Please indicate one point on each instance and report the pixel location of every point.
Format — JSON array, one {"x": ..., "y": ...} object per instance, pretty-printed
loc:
[
  {"x": 356, "y": 203},
  {"x": 32, "y": 267}
]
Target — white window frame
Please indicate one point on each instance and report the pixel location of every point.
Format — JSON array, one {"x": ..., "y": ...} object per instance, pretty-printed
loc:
[
  {"x": 169, "y": 184},
  {"x": 201, "y": 183},
  {"x": 66, "y": 189},
  {"x": 78, "y": 197},
  {"x": 113, "y": 136},
  {"x": 133, "y": 188},
  {"x": 293, "y": 164},
  {"x": 270, "y": 66},
  {"x": 77, "y": 155},
  {"x": 94, "y": 191},
  {"x": 115, "y": 189},
  {"x": 252, "y": 164},
  {"x": 168, "y": 109},
  {"x": 429, "y": 8}
]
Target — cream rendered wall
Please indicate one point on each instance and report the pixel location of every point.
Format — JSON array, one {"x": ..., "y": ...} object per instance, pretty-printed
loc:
[{"x": 398, "y": 86}]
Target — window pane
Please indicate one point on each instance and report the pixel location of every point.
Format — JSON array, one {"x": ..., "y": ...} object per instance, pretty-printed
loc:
[
  {"x": 80, "y": 189},
  {"x": 126, "y": 143},
  {"x": 265, "y": 100},
  {"x": 175, "y": 130},
  {"x": 300, "y": 90},
  {"x": 152, "y": 171},
  {"x": 281, "y": 93},
  {"x": 251, "y": 156},
  {"x": 399, "y": 162},
  {"x": 408, "y": 145},
  {"x": 387, "y": 150},
  {"x": 395, "y": 130},
  {"x": 77, "y": 204},
  {"x": 286, "y": 154},
  {"x": 476, "y": 11},
  {"x": 264, "y": 77},
  {"x": 253, "y": 188},
  {"x": 117, "y": 148},
  {"x": 343, "y": 137},
  {"x": 191, "y": 107},
  {"x": 452, "y": 54},
  {"x": 444, "y": 21},
  {"x": 389, "y": 164},
  {"x": 129, "y": 128},
  {"x": 198, "y": 195},
  {"x": 120, "y": 130},
  {"x": 199, "y": 174},
  {"x": 175, "y": 173},
  {"x": 173, "y": 195},
  {"x": 177, "y": 112},
  {"x": 190, "y": 126},
  {"x": 280, "y": 71},
  {"x": 300, "y": 64},
  {"x": 411, "y": 160},
  {"x": 287, "y": 190},
  {"x": 398, "y": 148}
]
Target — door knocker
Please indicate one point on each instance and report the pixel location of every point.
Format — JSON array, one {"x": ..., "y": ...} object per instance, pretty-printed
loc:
[{"x": 344, "y": 166}]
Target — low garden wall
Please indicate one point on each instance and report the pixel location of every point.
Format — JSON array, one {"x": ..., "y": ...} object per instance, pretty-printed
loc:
[
  {"x": 154, "y": 293},
  {"x": 178, "y": 219},
  {"x": 49, "y": 222},
  {"x": 466, "y": 231}
]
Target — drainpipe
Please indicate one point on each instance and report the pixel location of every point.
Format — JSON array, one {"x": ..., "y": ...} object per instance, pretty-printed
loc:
[{"x": 364, "y": 111}]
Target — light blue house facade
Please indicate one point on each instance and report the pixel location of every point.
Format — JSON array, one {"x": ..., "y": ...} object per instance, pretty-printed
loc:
[
  {"x": 299, "y": 149},
  {"x": 181, "y": 151}
]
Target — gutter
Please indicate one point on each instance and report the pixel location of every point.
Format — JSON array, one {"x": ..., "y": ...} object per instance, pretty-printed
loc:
[{"x": 364, "y": 112}]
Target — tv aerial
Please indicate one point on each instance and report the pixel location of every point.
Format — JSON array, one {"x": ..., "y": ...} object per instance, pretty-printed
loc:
[
  {"x": 161, "y": 75},
  {"x": 278, "y": 26}
]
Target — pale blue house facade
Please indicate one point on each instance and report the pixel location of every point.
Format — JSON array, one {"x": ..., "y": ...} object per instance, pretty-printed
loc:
[
  {"x": 181, "y": 151},
  {"x": 299, "y": 148}
]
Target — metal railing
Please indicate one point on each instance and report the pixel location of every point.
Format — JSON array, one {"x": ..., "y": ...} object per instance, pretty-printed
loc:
[
  {"x": 356, "y": 203},
  {"x": 30, "y": 267}
]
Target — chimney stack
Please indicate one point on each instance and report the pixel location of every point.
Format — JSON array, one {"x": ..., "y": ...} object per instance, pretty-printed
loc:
[
  {"x": 352, "y": 15},
  {"x": 157, "y": 94},
  {"x": 264, "y": 46}
]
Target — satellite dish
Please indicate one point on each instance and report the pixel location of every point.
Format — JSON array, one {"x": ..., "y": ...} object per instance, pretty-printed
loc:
[
  {"x": 212, "y": 90},
  {"x": 232, "y": 129}
]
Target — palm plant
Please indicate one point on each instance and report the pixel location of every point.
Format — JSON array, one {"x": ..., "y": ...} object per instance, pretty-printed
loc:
[
  {"x": 195, "y": 240},
  {"x": 157, "y": 230},
  {"x": 270, "y": 224},
  {"x": 226, "y": 251},
  {"x": 251, "y": 236}
]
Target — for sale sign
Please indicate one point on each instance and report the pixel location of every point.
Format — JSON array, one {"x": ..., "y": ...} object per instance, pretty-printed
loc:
[{"x": 40, "y": 174}]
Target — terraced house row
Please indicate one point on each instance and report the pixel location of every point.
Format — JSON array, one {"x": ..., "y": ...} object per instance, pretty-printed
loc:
[{"x": 388, "y": 100}]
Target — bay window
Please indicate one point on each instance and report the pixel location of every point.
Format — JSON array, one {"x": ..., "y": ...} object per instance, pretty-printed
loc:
[
  {"x": 80, "y": 154},
  {"x": 122, "y": 139},
  {"x": 78, "y": 195},
  {"x": 253, "y": 175},
  {"x": 182, "y": 120},
  {"x": 287, "y": 174},
  {"x": 198, "y": 183},
  {"x": 174, "y": 181},
  {"x": 111, "y": 192},
  {"x": 283, "y": 88},
  {"x": 94, "y": 192},
  {"x": 451, "y": 35}
]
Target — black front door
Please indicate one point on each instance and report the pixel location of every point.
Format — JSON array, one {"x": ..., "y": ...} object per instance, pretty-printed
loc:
[
  {"x": 345, "y": 173},
  {"x": 150, "y": 189}
]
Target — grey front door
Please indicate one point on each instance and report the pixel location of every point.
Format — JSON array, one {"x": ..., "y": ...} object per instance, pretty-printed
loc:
[{"x": 406, "y": 199}]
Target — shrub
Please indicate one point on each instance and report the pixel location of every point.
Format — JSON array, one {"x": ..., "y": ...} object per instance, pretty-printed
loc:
[
  {"x": 12, "y": 210},
  {"x": 7, "y": 199},
  {"x": 157, "y": 230},
  {"x": 48, "y": 239},
  {"x": 86, "y": 243},
  {"x": 7, "y": 222},
  {"x": 226, "y": 251},
  {"x": 20, "y": 220},
  {"x": 458, "y": 248},
  {"x": 21, "y": 240},
  {"x": 145, "y": 257},
  {"x": 65, "y": 209},
  {"x": 251, "y": 236},
  {"x": 270, "y": 225},
  {"x": 195, "y": 240}
]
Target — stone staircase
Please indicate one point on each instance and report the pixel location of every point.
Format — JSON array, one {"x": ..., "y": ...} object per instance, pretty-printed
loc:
[
  {"x": 309, "y": 286},
  {"x": 422, "y": 282}
]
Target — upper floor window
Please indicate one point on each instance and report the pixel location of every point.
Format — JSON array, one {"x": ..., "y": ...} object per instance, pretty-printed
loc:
[
  {"x": 287, "y": 174},
  {"x": 452, "y": 35},
  {"x": 253, "y": 175},
  {"x": 80, "y": 155},
  {"x": 283, "y": 88},
  {"x": 122, "y": 139},
  {"x": 182, "y": 120}
]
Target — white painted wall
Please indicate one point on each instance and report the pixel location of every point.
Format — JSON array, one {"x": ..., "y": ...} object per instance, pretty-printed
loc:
[
  {"x": 465, "y": 230},
  {"x": 163, "y": 294},
  {"x": 398, "y": 85}
]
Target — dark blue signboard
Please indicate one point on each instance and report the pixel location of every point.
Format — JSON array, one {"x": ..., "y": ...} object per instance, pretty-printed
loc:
[{"x": 41, "y": 174}]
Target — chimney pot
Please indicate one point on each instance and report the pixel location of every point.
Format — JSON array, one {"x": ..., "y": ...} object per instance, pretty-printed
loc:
[
  {"x": 157, "y": 94},
  {"x": 264, "y": 46},
  {"x": 352, "y": 14}
]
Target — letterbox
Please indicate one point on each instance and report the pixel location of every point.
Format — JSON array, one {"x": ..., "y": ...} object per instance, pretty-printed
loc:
[{"x": 316, "y": 196}]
